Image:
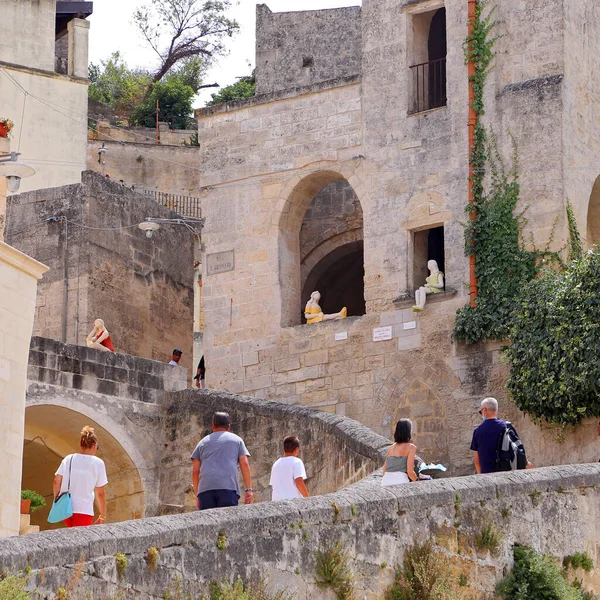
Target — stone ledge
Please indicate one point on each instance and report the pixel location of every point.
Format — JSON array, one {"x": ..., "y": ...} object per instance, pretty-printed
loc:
[{"x": 408, "y": 302}]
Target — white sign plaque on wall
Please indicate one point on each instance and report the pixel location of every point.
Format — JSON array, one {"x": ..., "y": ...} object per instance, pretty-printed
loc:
[
  {"x": 410, "y": 325},
  {"x": 380, "y": 334},
  {"x": 341, "y": 336},
  {"x": 220, "y": 262}
]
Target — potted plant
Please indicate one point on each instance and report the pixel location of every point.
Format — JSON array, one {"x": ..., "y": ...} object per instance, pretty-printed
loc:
[
  {"x": 5, "y": 126},
  {"x": 31, "y": 501}
]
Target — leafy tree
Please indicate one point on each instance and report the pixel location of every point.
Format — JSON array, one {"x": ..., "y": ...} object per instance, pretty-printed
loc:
[
  {"x": 174, "y": 101},
  {"x": 113, "y": 83},
  {"x": 178, "y": 30},
  {"x": 245, "y": 87}
]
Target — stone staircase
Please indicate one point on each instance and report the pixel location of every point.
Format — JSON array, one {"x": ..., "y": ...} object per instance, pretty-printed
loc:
[{"x": 25, "y": 525}]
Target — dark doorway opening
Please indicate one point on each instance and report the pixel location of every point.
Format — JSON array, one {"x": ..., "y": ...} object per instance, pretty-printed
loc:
[
  {"x": 339, "y": 277},
  {"x": 428, "y": 245},
  {"x": 437, "y": 49}
]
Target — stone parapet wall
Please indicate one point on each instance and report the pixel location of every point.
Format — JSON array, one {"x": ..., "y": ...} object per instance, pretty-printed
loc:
[
  {"x": 336, "y": 451},
  {"x": 108, "y": 373},
  {"x": 554, "y": 510},
  {"x": 300, "y": 48}
]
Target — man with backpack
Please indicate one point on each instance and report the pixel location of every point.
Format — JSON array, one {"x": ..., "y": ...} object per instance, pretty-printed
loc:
[{"x": 496, "y": 445}]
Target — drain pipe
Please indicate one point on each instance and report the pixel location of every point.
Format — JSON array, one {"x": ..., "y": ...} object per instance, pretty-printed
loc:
[
  {"x": 472, "y": 123},
  {"x": 66, "y": 281}
]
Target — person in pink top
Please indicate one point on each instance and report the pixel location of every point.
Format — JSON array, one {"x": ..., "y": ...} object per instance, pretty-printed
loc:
[{"x": 288, "y": 473}]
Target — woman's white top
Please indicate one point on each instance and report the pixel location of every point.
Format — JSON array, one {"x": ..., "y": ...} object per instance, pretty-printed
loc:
[{"x": 87, "y": 473}]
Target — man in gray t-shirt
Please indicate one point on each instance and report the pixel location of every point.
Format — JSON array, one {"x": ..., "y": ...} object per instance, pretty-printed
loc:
[{"x": 215, "y": 467}]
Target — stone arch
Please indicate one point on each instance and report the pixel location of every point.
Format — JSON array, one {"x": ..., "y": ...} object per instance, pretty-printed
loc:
[
  {"x": 52, "y": 432},
  {"x": 295, "y": 199},
  {"x": 593, "y": 216}
]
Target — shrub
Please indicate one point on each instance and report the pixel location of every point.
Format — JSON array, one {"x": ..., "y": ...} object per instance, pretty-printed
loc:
[
  {"x": 12, "y": 587},
  {"x": 37, "y": 500},
  {"x": 334, "y": 571},
  {"x": 425, "y": 574},
  {"x": 537, "y": 577},
  {"x": 554, "y": 372},
  {"x": 239, "y": 591},
  {"x": 579, "y": 560},
  {"x": 488, "y": 538},
  {"x": 121, "y": 561},
  {"x": 151, "y": 558}
]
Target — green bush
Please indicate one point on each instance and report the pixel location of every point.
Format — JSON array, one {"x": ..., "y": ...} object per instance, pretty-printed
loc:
[
  {"x": 537, "y": 577},
  {"x": 37, "y": 500},
  {"x": 239, "y": 591},
  {"x": 12, "y": 587},
  {"x": 425, "y": 574},
  {"x": 488, "y": 538},
  {"x": 554, "y": 370},
  {"x": 579, "y": 560},
  {"x": 334, "y": 571}
]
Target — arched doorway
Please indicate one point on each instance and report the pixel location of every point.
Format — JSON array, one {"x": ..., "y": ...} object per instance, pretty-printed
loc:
[
  {"x": 321, "y": 247},
  {"x": 51, "y": 433},
  {"x": 593, "y": 216}
]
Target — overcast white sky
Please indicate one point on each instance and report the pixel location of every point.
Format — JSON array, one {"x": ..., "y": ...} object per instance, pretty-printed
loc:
[{"x": 111, "y": 30}]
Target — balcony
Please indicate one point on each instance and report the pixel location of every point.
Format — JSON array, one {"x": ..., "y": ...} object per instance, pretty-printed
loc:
[{"x": 428, "y": 85}]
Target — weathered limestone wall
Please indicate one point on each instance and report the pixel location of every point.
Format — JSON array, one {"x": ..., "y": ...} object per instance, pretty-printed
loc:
[
  {"x": 53, "y": 132},
  {"x": 265, "y": 159},
  {"x": 121, "y": 396},
  {"x": 170, "y": 169},
  {"x": 554, "y": 510},
  {"x": 19, "y": 275},
  {"x": 336, "y": 451},
  {"x": 581, "y": 130},
  {"x": 28, "y": 38},
  {"x": 105, "y": 132},
  {"x": 141, "y": 287},
  {"x": 295, "y": 49}
]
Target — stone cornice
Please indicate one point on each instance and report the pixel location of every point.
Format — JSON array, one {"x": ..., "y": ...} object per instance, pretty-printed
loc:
[{"x": 22, "y": 262}]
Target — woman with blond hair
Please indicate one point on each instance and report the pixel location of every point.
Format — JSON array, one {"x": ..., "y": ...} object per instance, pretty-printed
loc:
[{"x": 83, "y": 475}]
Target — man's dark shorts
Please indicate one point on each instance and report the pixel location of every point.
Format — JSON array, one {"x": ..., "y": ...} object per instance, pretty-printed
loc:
[{"x": 218, "y": 499}]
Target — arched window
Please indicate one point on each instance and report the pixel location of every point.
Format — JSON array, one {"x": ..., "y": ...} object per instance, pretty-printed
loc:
[{"x": 321, "y": 248}]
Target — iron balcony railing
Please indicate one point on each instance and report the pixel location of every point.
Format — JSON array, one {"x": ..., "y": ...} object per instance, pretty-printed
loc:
[
  {"x": 187, "y": 206},
  {"x": 428, "y": 85}
]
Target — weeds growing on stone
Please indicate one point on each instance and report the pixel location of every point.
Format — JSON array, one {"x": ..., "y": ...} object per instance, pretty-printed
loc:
[
  {"x": 151, "y": 558},
  {"x": 239, "y": 591},
  {"x": 425, "y": 574},
  {"x": 121, "y": 561},
  {"x": 488, "y": 538},
  {"x": 579, "y": 560},
  {"x": 463, "y": 581},
  {"x": 535, "y": 497},
  {"x": 12, "y": 587},
  {"x": 221, "y": 541},
  {"x": 539, "y": 576},
  {"x": 334, "y": 571}
]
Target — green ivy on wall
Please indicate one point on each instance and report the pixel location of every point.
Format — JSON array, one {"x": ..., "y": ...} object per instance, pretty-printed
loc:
[
  {"x": 493, "y": 233},
  {"x": 555, "y": 342}
]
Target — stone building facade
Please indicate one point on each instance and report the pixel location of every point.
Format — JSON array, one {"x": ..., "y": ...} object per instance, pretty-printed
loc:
[
  {"x": 392, "y": 126},
  {"x": 45, "y": 95},
  {"x": 103, "y": 266}
]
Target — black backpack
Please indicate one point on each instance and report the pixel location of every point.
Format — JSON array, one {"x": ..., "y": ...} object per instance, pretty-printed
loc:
[{"x": 510, "y": 454}]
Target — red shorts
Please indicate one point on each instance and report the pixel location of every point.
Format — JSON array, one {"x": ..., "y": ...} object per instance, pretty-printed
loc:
[{"x": 79, "y": 520}]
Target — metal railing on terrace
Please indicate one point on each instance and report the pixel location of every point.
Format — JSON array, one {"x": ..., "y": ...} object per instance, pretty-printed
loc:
[
  {"x": 188, "y": 206},
  {"x": 428, "y": 85}
]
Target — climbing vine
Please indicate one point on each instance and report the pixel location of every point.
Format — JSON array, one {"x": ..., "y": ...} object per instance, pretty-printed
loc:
[{"x": 493, "y": 232}]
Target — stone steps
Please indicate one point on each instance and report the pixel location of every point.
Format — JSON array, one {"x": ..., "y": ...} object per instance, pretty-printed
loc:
[{"x": 25, "y": 525}]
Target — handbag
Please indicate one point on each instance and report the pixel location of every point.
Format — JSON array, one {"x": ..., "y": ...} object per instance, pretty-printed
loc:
[{"x": 62, "y": 507}]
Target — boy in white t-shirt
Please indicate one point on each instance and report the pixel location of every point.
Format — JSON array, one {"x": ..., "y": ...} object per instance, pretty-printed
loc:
[{"x": 288, "y": 474}]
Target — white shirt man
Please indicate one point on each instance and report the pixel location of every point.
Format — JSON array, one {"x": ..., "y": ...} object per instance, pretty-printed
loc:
[{"x": 288, "y": 473}]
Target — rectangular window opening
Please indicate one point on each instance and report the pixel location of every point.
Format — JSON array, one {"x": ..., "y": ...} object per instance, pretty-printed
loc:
[
  {"x": 427, "y": 71},
  {"x": 428, "y": 244}
]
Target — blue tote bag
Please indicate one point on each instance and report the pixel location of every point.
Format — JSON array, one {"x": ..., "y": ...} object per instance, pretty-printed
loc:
[{"x": 62, "y": 507}]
